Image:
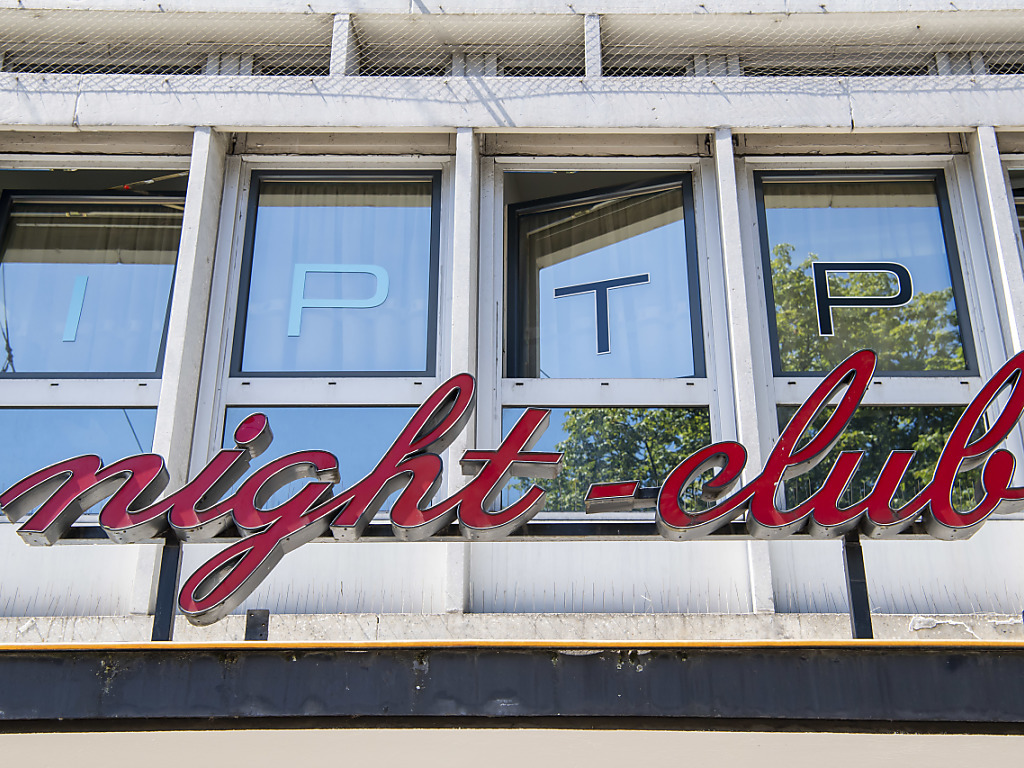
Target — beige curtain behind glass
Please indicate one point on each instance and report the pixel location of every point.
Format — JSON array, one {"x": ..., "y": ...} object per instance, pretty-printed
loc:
[
  {"x": 850, "y": 194},
  {"x": 93, "y": 233},
  {"x": 335, "y": 194}
]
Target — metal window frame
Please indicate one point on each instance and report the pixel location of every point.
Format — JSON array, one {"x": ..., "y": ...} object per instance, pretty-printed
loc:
[
  {"x": 221, "y": 386},
  {"x": 517, "y": 267},
  {"x": 494, "y": 298},
  {"x": 257, "y": 178},
  {"x": 937, "y": 176},
  {"x": 88, "y": 390},
  {"x": 9, "y": 197}
]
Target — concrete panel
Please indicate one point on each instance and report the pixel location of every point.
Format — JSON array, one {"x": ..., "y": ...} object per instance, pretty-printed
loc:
[
  {"x": 93, "y": 579},
  {"x": 609, "y": 577}
]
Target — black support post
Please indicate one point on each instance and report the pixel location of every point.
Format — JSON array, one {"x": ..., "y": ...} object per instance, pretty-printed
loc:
[
  {"x": 857, "y": 587},
  {"x": 167, "y": 588}
]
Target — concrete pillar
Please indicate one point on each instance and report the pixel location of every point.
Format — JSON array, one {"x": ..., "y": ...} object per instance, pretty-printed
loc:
[
  {"x": 189, "y": 304},
  {"x": 739, "y": 308},
  {"x": 592, "y": 44},
  {"x": 464, "y": 299},
  {"x": 997, "y": 214},
  {"x": 344, "y": 51}
]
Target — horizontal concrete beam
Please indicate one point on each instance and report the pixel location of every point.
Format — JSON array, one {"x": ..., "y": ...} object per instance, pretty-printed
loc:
[
  {"x": 787, "y": 7},
  {"x": 744, "y": 103}
]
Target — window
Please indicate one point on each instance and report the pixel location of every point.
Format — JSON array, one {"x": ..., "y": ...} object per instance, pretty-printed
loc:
[
  {"x": 605, "y": 284},
  {"x": 604, "y": 324},
  {"x": 87, "y": 261},
  {"x": 889, "y": 257},
  {"x": 335, "y": 318},
  {"x": 862, "y": 260},
  {"x": 340, "y": 276}
]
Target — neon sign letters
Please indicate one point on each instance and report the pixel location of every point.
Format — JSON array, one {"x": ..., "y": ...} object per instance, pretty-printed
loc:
[{"x": 50, "y": 500}]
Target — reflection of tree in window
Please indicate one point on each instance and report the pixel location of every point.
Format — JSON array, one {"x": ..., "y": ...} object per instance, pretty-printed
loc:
[
  {"x": 923, "y": 335},
  {"x": 609, "y": 444},
  {"x": 876, "y": 431}
]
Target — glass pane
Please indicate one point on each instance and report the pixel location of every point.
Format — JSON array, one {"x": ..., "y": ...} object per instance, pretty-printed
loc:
[
  {"x": 35, "y": 438},
  {"x": 1017, "y": 190},
  {"x": 607, "y": 290},
  {"x": 342, "y": 279},
  {"x": 878, "y": 430},
  {"x": 85, "y": 285},
  {"x": 610, "y": 444},
  {"x": 891, "y": 289},
  {"x": 358, "y": 436}
]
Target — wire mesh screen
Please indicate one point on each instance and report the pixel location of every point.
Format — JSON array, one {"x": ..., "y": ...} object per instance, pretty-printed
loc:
[
  {"x": 852, "y": 45},
  {"x": 493, "y": 43},
  {"x": 145, "y": 43},
  {"x": 543, "y": 45}
]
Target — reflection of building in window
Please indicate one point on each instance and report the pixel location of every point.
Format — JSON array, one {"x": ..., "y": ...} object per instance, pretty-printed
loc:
[{"x": 604, "y": 283}]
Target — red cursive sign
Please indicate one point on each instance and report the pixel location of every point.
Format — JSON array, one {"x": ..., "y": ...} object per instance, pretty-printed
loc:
[{"x": 54, "y": 497}]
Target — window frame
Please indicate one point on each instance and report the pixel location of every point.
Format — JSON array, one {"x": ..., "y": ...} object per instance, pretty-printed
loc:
[
  {"x": 90, "y": 390},
  {"x": 241, "y": 311},
  {"x": 887, "y": 388},
  {"x": 9, "y": 197},
  {"x": 222, "y": 386},
  {"x": 517, "y": 267},
  {"x": 954, "y": 261},
  {"x": 498, "y": 391}
]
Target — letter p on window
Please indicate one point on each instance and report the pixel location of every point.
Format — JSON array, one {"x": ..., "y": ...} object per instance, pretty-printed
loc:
[
  {"x": 825, "y": 301},
  {"x": 300, "y": 301}
]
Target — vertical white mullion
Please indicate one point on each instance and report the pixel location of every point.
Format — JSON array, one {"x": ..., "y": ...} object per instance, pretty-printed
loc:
[
  {"x": 463, "y": 285},
  {"x": 1000, "y": 236},
  {"x": 978, "y": 281},
  {"x": 744, "y": 372},
  {"x": 592, "y": 44},
  {"x": 463, "y": 352},
  {"x": 183, "y": 356},
  {"x": 738, "y": 302},
  {"x": 216, "y": 355},
  {"x": 716, "y": 335},
  {"x": 489, "y": 334},
  {"x": 179, "y": 386}
]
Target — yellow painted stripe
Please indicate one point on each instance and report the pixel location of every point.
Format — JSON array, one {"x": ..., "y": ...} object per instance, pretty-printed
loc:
[{"x": 370, "y": 645}]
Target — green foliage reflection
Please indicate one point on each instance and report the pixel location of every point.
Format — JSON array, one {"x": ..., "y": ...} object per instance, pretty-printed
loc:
[{"x": 923, "y": 335}]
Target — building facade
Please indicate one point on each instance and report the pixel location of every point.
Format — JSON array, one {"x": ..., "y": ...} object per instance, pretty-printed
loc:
[{"x": 664, "y": 224}]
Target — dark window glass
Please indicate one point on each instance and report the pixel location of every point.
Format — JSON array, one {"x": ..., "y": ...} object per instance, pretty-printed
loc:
[
  {"x": 863, "y": 263},
  {"x": 610, "y": 444},
  {"x": 35, "y": 438},
  {"x": 605, "y": 285},
  {"x": 877, "y": 431},
  {"x": 343, "y": 277},
  {"x": 85, "y": 283}
]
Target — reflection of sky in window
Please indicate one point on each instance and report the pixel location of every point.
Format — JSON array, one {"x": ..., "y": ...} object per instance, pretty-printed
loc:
[
  {"x": 357, "y": 436},
  {"x": 908, "y": 236},
  {"x": 649, "y": 324},
  {"x": 85, "y": 284},
  {"x": 34, "y": 438},
  {"x": 388, "y": 337},
  {"x": 119, "y": 329}
]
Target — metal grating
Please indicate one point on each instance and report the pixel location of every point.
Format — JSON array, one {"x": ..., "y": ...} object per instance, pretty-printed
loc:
[
  {"x": 778, "y": 45},
  {"x": 468, "y": 44},
  {"x": 496, "y": 44},
  {"x": 146, "y": 43}
]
